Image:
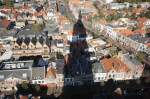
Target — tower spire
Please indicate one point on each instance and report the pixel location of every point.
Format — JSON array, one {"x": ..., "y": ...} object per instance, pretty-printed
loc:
[{"x": 80, "y": 15}]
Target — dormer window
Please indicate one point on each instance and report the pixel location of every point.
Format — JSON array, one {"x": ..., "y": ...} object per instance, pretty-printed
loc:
[
  {"x": 16, "y": 47},
  {"x": 38, "y": 45},
  {"x": 24, "y": 75},
  {"x": 31, "y": 45},
  {"x": 45, "y": 47},
  {"x": 24, "y": 46}
]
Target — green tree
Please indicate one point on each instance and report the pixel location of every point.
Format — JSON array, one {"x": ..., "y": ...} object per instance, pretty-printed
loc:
[
  {"x": 113, "y": 51},
  {"x": 37, "y": 27},
  {"x": 59, "y": 55},
  {"x": 36, "y": 90},
  {"x": 24, "y": 88},
  {"x": 9, "y": 3},
  {"x": 24, "y": 85},
  {"x": 1, "y": 3},
  {"x": 141, "y": 56},
  {"x": 113, "y": 17},
  {"x": 147, "y": 14}
]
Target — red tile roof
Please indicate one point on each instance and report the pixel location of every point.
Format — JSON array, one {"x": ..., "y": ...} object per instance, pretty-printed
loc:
[
  {"x": 138, "y": 10},
  {"x": 126, "y": 32},
  {"x": 23, "y": 97},
  {"x": 148, "y": 44},
  {"x": 114, "y": 64},
  {"x": 139, "y": 31},
  {"x": 141, "y": 22},
  {"x": 5, "y": 23},
  {"x": 51, "y": 73}
]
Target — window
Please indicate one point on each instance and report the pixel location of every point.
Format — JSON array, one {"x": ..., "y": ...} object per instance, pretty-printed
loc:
[
  {"x": 24, "y": 46},
  {"x": 66, "y": 80},
  {"x": 109, "y": 76},
  {"x": 20, "y": 65},
  {"x": 35, "y": 82},
  {"x": 46, "y": 51},
  {"x": 45, "y": 47},
  {"x": 95, "y": 78},
  {"x": 16, "y": 47},
  {"x": 1, "y": 76},
  {"x": 113, "y": 76},
  {"x": 38, "y": 77},
  {"x": 24, "y": 75},
  {"x": 39, "y": 82}
]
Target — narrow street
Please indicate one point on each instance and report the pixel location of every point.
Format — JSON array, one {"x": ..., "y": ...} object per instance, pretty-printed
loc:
[{"x": 102, "y": 35}]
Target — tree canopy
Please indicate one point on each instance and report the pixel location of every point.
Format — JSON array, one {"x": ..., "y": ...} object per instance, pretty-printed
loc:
[{"x": 141, "y": 56}]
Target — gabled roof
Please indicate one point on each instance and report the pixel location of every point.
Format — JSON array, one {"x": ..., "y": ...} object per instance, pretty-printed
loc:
[
  {"x": 31, "y": 46},
  {"x": 23, "y": 46},
  {"x": 38, "y": 45}
]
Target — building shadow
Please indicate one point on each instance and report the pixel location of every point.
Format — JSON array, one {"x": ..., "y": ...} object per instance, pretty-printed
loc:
[{"x": 78, "y": 76}]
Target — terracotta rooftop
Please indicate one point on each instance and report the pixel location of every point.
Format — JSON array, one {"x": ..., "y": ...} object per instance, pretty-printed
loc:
[
  {"x": 41, "y": 13},
  {"x": 51, "y": 73},
  {"x": 137, "y": 10},
  {"x": 126, "y": 32},
  {"x": 63, "y": 20},
  {"x": 114, "y": 64},
  {"x": 85, "y": 3},
  {"x": 139, "y": 31},
  {"x": 148, "y": 44},
  {"x": 141, "y": 22},
  {"x": 102, "y": 21},
  {"x": 74, "y": 1},
  {"x": 5, "y": 23},
  {"x": 1, "y": 46},
  {"x": 23, "y": 97}
]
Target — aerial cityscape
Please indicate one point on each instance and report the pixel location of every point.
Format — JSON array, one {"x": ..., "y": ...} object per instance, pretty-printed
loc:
[{"x": 74, "y": 49}]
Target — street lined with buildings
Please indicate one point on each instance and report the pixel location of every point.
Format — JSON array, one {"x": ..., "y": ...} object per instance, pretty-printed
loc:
[{"x": 54, "y": 46}]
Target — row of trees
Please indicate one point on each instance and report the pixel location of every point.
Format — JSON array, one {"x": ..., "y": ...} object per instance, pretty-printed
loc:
[
  {"x": 37, "y": 27},
  {"x": 7, "y": 3},
  {"x": 132, "y": 16},
  {"x": 1, "y": 3},
  {"x": 34, "y": 89},
  {"x": 113, "y": 17},
  {"x": 145, "y": 14},
  {"x": 141, "y": 56}
]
